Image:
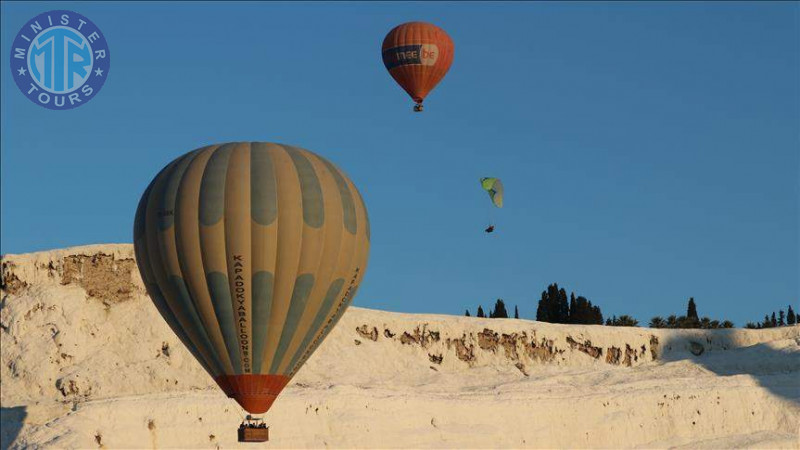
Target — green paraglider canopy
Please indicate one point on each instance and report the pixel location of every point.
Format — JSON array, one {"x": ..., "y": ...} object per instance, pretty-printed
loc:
[{"x": 495, "y": 189}]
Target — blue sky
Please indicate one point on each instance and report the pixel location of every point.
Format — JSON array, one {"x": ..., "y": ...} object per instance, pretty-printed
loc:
[{"x": 649, "y": 150}]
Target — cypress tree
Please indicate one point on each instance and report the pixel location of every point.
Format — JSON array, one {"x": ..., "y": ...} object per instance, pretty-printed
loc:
[
  {"x": 563, "y": 307},
  {"x": 500, "y": 309},
  {"x": 774, "y": 321},
  {"x": 791, "y": 318},
  {"x": 574, "y": 314},
  {"x": 691, "y": 310},
  {"x": 781, "y": 318},
  {"x": 597, "y": 315},
  {"x": 552, "y": 303},
  {"x": 467, "y": 314},
  {"x": 541, "y": 309},
  {"x": 516, "y": 312},
  {"x": 766, "y": 323},
  {"x": 480, "y": 311}
]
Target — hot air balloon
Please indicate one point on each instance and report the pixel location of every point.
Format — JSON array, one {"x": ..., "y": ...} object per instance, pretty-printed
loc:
[
  {"x": 251, "y": 251},
  {"x": 494, "y": 187},
  {"x": 417, "y": 55}
]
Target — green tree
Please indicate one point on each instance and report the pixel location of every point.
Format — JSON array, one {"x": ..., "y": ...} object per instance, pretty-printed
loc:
[
  {"x": 597, "y": 315},
  {"x": 574, "y": 312},
  {"x": 500, "y": 310},
  {"x": 622, "y": 321},
  {"x": 658, "y": 322},
  {"x": 553, "y": 306},
  {"x": 691, "y": 310},
  {"x": 480, "y": 311},
  {"x": 791, "y": 318},
  {"x": 627, "y": 321},
  {"x": 516, "y": 312},
  {"x": 542, "y": 309},
  {"x": 687, "y": 322},
  {"x": 727, "y": 324},
  {"x": 563, "y": 307},
  {"x": 774, "y": 321},
  {"x": 467, "y": 314},
  {"x": 672, "y": 321},
  {"x": 781, "y": 318}
]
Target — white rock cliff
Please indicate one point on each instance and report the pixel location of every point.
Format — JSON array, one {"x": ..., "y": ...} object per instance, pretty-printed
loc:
[{"x": 87, "y": 362}]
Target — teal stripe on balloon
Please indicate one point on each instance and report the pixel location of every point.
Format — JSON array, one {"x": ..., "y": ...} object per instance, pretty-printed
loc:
[
  {"x": 302, "y": 289},
  {"x": 366, "y": 214},
  {"x": 149, "y": 279},
  {"x": 348, "y": 208},
  {"x": 327, "y": 328},
  {"x": 139, "y": 222},
  {"x": 172, "y": 321},
  {"x": 263, "y": 185},
  {"x": 166, "y": 210},
  {"x": 327, "y": 303},
  {"x": 263, "y": 283},
  {"x": 311, "y": 192},
  {"x": 221, "y": 299},
  {"x": 187, "y": 309},
  {"x": 212, "y": 187}
]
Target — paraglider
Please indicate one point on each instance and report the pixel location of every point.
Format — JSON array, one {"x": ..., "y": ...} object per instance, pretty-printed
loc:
[
  {"x": 494, "y": 187},
  {"x": 417, "y": 55},
  {"x": 251, "y": 252}
]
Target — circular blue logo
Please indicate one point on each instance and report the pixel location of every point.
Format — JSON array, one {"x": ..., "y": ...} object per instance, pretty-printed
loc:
[{"x": 60, "y": 59}]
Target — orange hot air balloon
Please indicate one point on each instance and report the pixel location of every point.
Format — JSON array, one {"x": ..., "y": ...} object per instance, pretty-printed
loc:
[{"x": 417, "y": 55}]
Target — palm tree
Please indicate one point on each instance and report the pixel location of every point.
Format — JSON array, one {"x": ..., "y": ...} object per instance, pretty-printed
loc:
[
  {"x": 626, "y": 321},
  {"x": 672, "y": 321},
  {"x": 657, "y": 322}
]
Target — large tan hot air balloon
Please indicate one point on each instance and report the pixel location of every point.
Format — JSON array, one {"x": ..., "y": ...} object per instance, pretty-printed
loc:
[{"x": 251, "y": 251}]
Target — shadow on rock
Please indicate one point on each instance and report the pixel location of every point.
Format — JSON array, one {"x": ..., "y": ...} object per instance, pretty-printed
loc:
[
  {"x": 775, "y": 366},
  {"x": 11, "y": 421}
]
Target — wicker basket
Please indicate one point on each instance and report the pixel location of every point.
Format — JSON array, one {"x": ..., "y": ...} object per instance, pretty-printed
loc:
[{"x": 248, "y": 434}]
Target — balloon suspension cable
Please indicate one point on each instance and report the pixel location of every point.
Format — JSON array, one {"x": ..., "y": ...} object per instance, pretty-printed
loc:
[
  {"x": 237, "y": 408},
  {"x": 418, "y": 107}
]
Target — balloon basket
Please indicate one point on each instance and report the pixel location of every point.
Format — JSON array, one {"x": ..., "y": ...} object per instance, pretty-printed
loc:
[
  {"x": 253, "y": 430},
  {"x": 418, "y": 107}
]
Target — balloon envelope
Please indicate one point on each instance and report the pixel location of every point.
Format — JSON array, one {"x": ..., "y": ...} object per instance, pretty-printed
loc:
[
  {"x": 417, "y": 55},
  {"x": 251, "y": 252}
]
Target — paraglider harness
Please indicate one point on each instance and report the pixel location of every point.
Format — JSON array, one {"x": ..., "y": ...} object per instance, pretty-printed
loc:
[
  {"x": 490, "y": 229},
  {"x": 253, "y": 429}
]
